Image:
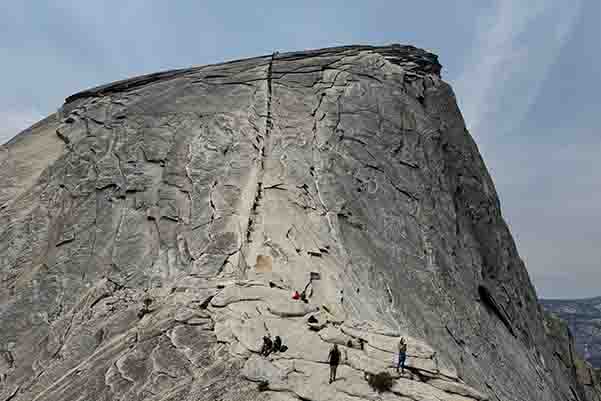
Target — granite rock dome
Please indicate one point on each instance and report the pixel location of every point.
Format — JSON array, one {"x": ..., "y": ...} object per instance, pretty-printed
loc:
[{"x": 153, "y": 229}]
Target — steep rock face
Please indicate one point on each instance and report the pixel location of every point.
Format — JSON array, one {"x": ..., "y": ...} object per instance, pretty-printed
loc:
[{"x": 214, "y": 191}]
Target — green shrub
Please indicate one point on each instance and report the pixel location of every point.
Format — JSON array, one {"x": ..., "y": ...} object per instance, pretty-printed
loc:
[{"x": 380, "y": 382}]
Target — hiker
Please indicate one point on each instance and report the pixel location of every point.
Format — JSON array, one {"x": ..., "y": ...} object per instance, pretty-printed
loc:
[
  {"x": 267, "y": 346},
  {"x": 402, "y": 355},
  {"x": 304, "y": 294},
  {"x": 334, "y": 359},
  {"x": 277, "y": 344},
  {"x": 145, "y": 307},
  {"x": 295, "y": 295}
]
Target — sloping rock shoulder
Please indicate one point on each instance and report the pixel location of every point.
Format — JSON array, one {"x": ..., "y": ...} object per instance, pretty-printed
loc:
[{"x": 154, "y": 230}]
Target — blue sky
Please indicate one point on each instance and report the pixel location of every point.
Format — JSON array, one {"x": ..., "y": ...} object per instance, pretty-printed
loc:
[{"x": 526, "y": 74}]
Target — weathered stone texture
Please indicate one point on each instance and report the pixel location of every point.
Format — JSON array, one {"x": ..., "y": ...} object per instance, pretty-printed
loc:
[{"x": 212, "y": 192}]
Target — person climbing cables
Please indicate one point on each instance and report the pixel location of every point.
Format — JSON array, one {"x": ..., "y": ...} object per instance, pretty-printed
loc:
[
  {"x": 402, "y": 355},
  {"x": 334, "y": 359}
]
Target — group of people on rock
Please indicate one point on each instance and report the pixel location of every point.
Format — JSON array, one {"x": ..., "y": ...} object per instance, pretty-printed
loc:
[
  {"x": 272, "y": 346},
  {"x": 334, "y": 355},
  {"x": 334, "y": 358}
]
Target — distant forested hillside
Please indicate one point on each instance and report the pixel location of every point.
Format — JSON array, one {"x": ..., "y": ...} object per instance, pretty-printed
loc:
[{"x": 584, "y": 319}]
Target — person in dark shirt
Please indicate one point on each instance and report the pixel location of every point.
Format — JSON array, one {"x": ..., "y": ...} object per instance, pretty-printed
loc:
[
  {"x": 267, "y": 346},
  {"x": 277, "y": 344},
  {"x": 334, "y": 359}
]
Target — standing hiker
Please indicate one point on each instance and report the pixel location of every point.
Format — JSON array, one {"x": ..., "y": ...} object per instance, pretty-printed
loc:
[
  {"x": 402, "y": 355},
  {"x": 334, "y": 359}
]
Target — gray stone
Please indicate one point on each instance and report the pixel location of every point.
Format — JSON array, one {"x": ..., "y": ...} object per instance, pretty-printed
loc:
[
  {"x": 419, "y": 391},
  {"x": 458, "y": 388},
  {"x": 216, "y": 191},
  {"x": 259, "y": 369},
  {"x": 335, "y": 336},
  {"x": 249, "y": 333},
  {"x": 291, "y": 308},
  {"x": 233, "y": 294}
]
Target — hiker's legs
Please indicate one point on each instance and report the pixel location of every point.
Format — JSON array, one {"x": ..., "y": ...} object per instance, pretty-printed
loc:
[
  {"x": 334, "y": 372},
  {"x": 401, "y": 364}
]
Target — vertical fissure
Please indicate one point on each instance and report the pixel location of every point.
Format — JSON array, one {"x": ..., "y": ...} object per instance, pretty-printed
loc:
[
  {"x": 268, "y": 122},
  {"x": 254, "y": 212}
]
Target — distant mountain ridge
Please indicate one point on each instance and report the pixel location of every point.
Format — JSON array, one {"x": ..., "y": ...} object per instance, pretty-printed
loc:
[{"x": 583, "y": 317}]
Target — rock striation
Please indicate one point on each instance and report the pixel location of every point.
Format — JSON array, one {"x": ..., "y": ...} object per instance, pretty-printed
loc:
[{"x": 153, "y": 231}]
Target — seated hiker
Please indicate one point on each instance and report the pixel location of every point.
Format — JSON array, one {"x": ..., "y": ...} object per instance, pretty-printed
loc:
[
  {"x": 402, "y": 355},
  {"x": 145, "y": 307},
  {"x": 267, "y": 346},
  {"x": 277, "y": 344},
  {"x": 295, "y": 295}
]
